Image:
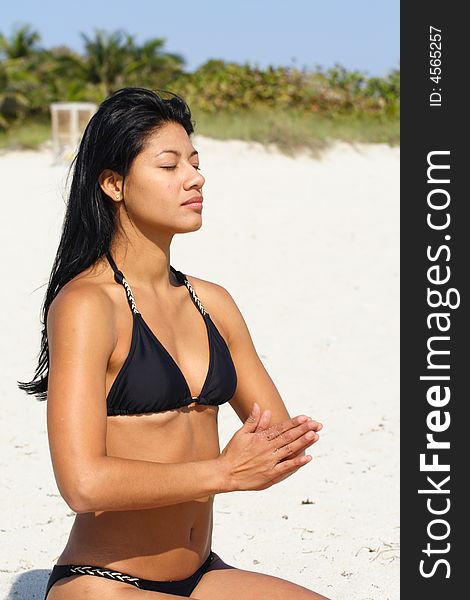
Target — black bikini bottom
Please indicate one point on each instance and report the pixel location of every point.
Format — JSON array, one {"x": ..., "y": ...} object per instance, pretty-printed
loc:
[{"x": 177, "y": 587}]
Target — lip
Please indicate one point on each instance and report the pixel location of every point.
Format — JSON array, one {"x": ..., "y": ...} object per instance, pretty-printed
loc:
[{"x": 195, "y": 200}]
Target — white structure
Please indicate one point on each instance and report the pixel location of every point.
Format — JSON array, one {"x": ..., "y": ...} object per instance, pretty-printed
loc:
[{"x": 69, "y": 120}]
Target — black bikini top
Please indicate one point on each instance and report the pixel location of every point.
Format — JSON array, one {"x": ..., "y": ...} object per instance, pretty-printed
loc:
[{"x": 150, "y": 379}]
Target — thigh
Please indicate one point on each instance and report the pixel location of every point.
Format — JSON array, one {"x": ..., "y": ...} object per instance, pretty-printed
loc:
[
  {"x": 79, "y": 587},
  {"x": 238, "y": 584}
]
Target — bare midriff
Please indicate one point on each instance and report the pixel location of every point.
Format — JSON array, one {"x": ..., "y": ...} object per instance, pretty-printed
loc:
[{"x": 168, "y": 542}]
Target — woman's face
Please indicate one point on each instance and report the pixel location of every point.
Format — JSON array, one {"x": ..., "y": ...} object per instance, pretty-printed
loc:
[{"x": 161, "y": 178}]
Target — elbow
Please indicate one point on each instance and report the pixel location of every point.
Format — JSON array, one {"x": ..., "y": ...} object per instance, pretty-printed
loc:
[
  {"x": 78, "y": 504},
  {"x": 79, "y": 496}
]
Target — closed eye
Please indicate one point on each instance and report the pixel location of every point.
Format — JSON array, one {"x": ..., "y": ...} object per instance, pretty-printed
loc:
[{"x": 174, "y": 167}]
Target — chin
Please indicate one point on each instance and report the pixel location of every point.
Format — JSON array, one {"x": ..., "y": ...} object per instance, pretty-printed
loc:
[{"x": 188, "y": 227}]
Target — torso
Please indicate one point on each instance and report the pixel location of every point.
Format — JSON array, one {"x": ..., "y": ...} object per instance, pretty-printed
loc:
[
  {"x": 159, "y": 543},
  {"x": 168, "y": 542}
]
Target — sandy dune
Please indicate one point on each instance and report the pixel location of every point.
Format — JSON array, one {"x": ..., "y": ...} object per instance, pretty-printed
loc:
[{"x": 309, "y": 249}]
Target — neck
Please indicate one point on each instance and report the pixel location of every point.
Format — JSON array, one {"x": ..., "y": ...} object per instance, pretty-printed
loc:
[{"x": 144, "y": 261}]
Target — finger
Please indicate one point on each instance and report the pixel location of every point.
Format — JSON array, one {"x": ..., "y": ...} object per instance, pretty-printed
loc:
[
  {"x": 290, "y": 465},
  {"x": 280, "y": 428},
  {"x": 253, "y": 418},
  {"x": 291, "y": 435},
  {"x": 316, "y": 425},
  {"x": 291, "y": 448},
  {"x": 264, "y": 420},
  {"x": 299, "y": 453}
]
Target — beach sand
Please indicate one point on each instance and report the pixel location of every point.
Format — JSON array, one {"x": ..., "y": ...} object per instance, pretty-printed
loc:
[{"x": 309, "y": 249}]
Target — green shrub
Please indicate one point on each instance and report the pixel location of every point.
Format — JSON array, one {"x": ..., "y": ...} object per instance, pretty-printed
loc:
[{"x": 32, "y": 77}]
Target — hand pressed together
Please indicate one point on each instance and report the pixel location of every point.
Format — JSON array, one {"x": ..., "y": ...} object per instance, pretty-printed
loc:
[{"x": 258, "y": 456}]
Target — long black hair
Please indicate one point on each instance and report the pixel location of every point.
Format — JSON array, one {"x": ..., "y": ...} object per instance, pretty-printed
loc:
[{"x": 114, "y": 136}]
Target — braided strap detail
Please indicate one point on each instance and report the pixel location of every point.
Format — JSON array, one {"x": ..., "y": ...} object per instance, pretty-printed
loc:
[
  {"x": 130, "y": 295},
  {"x": 194, "y": 295},
  {"x": 85, "y": 570}
]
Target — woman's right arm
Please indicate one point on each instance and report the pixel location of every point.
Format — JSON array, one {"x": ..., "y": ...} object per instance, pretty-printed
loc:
[{"x": 81, "y": 340}]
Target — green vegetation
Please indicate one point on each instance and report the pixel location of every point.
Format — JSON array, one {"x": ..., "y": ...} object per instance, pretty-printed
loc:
[
  {"x": 286, "y": 106},
  {"x": 25, "y": 135},
  {"x": 291, "y": 130}
]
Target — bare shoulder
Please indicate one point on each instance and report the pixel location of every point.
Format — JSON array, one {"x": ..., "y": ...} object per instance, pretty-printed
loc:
[
  {"x": 212, "y": 292},
  {"x": 219, "y": 303},
  {"x": 84, "y": 299}
]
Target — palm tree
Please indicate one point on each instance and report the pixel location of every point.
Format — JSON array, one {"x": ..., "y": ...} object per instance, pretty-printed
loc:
[
  {"x": 152, "y": 66},
  {"x": 107, "y": 57},
  {"x": 115, "y": 59},
  {"x": 23, "y": 42},
  {"x": 16, "y": 72}
]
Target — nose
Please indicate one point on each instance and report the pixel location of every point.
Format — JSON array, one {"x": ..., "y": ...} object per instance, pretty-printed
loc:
[{"x": 195, "y": 178}]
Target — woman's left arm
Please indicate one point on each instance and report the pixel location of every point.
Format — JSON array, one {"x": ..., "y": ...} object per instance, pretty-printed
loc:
[{"x": 253, "y": 380}]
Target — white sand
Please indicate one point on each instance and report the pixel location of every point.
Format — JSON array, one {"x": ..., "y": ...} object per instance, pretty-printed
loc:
[{"x": 309, "y": 250}]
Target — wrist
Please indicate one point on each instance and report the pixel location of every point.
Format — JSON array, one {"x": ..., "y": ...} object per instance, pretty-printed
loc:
[{"x": 223, "y": 475}]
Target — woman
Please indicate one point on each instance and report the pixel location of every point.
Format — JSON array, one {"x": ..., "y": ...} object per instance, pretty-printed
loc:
[{"x": 136, "y": 358}]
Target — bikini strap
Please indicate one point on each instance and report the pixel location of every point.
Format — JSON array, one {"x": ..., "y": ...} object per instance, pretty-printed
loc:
[
  {"x": 119, "y": 278},
  {"x": 182, "y": 278}
]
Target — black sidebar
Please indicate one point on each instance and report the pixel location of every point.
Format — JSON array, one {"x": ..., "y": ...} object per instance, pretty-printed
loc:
[{"x": 435, "y": 357}]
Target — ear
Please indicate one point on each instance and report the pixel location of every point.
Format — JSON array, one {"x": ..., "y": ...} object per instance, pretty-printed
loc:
[{"x": 111, "y": 184}]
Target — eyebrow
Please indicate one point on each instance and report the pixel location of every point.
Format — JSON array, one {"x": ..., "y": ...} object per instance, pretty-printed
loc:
[{"x": 177, "y": 153}]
